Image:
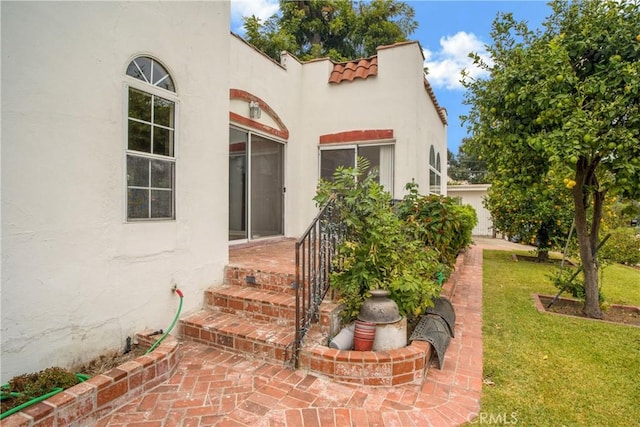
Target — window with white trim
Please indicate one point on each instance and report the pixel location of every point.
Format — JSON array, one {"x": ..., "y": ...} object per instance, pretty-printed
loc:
[
  {"x": 380, "y": 157},
  {"x": 434, "y": 172},
  {"x": 150, "y": 152}
]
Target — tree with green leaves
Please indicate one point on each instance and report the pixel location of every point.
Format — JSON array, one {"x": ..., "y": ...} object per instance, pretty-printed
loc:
[
  {"x": 538, "y": 214},
  {"x": 338, "y": 29},
  {"x": 564, "y": 99},
  {"x": 466, "y": 166}
]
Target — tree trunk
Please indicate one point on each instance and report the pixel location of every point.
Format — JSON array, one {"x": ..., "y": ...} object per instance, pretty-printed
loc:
[
  {"x": 543, "y": 247},
  {"x": 543, "y": 256},
  {"x": 587, "y": 241}
]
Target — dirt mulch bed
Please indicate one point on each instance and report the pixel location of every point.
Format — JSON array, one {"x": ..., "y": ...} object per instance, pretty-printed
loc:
[
  {"x": 107, "y": 361},
  {"x": 31, "y": 386},
  {"x": 625, "y": 314}
]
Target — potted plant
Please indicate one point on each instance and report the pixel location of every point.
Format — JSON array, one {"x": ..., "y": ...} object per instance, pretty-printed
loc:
[{"x": 379, "y": 250}]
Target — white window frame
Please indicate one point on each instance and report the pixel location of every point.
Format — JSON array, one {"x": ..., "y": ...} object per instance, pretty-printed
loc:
[{"x": 140, "y": 85}]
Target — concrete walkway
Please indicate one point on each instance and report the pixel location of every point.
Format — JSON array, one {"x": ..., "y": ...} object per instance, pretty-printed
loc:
[{"x": 217, "y": 388}]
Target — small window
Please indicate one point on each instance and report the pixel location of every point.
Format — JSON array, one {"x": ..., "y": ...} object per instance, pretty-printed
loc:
[
  {"x": 434, "y": 172},
  {"x": 380, "y": 157},
  {"x": 150, "y": 143}
]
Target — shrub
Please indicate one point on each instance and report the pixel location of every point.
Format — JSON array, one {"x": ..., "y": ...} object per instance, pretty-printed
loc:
[
  {"x": 622, "y": 247},
  {"x": 377, "y": 251},
  {"x": 568, "y": 281},
  {"x": 438, "y": 221}
]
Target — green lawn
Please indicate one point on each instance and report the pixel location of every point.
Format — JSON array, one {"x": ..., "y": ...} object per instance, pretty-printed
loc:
[
  {"x": 621, "y": 284},
  {"x": 551, "y": 370}
]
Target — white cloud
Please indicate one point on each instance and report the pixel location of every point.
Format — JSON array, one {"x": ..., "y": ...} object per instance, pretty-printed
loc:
[
  {"x": 445, "y": 66},
  {"x": 263, "y": 9}
]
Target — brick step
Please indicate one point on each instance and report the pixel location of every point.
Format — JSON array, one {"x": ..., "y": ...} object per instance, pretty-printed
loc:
[
  {"x": 259, "y": 279},
  {"x": 260, "y": 339},
  {"x": 253, "y": 304}
]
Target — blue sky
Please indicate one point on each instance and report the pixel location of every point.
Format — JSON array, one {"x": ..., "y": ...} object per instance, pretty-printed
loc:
[{"x": 447, "y": 32}]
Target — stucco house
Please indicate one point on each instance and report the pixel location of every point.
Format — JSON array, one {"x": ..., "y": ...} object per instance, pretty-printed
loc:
[{"x": 140, "y": 140}]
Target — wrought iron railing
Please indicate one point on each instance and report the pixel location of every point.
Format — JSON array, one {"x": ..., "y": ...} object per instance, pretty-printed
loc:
[{"x": 315, "y": 251}]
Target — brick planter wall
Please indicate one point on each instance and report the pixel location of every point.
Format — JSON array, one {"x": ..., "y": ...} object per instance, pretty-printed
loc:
[
  {"x": 85, "y": 403},
  {"x": 374, "y": 368},
  {"x": 370, "y": 368}
]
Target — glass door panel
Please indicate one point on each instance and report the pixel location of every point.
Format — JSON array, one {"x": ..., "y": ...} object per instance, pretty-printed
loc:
[
  {"x": 238, "y": 184},
  {"x": 267, "y": 187}
]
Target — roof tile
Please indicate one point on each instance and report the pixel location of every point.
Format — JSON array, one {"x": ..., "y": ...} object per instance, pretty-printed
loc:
[
  {"x": 368, "y": 67},
  {"x": 351, "y": 70}
]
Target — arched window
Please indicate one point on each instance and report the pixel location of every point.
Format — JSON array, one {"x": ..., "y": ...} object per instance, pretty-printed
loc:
[
  {"x": 151, "y": 110},
  {"x": 150, "y": 71},
  {"x": 434, "y": 171}
]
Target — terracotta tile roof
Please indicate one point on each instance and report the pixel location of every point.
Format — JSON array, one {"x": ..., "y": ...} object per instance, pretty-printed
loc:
[
  {"x": 351, "y": 70},
  {"x": 367, "y": 67}
]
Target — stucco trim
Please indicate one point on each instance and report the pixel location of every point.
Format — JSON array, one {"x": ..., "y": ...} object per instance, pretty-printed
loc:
[
  {"x": 283, "y": 132},
  {"x": 442, "y": 112},
  {"x": 404, "y": 43},
  {"x": 261, "y": 53},
  {"x": 241, "y": 120},
  {"x": 356, "y": 136}
]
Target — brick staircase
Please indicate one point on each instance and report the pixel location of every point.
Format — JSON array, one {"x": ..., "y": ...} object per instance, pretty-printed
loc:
[{"x": 252, "y": 312}]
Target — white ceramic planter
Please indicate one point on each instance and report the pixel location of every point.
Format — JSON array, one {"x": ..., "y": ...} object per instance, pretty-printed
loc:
[
  {"x": 391, "y": 336},
  {"x": 344, "y": 339}
]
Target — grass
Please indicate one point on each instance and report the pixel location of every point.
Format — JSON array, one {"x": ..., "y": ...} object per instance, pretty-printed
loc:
[
  {"x": 620, "y": 284},
  {"x": 553, "y": 370}
]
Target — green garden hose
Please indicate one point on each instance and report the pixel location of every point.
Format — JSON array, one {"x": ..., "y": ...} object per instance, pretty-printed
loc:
[
  {"x": 175, "y": 320},
  {"x": 81, "y": 378}
]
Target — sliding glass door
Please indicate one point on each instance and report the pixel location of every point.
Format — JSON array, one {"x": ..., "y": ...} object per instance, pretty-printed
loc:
[{"x": 256, "y": 186}]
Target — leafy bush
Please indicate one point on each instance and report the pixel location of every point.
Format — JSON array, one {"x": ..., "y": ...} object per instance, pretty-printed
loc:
[
  {"x": 438, "y": 221},
  {"x": 622, "y": 247},
  {"x": 467, "y": 219},
  {"x": 569, "y": 282},
  {"x": 572, "y": 283},
  {"x": 378, "y": 252}
]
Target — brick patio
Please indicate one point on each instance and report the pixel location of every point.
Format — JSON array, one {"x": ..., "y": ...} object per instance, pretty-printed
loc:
[{"x": 213, "y": 387}]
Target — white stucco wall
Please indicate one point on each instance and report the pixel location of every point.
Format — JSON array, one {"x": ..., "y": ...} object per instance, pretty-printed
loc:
[
  {"x": 76, "y": 278},
  {"x": 280, "y": 88},
  {"x": 394, "y": 99},
  {"x": 309, "y": 107},
  {"x": 416, "y": 120},
  {"x": 473, "y": 194}
]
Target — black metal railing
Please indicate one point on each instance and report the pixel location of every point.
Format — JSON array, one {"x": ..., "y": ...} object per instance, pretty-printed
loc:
[{"x": 315, "y": 251}]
